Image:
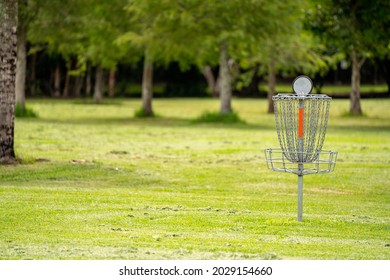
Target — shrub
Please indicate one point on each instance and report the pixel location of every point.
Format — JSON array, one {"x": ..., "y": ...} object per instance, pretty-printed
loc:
[
  {"x": 140, "y": 113},
  {"x": 216, "y": 117},
  {"x": 25, "y": 112}
]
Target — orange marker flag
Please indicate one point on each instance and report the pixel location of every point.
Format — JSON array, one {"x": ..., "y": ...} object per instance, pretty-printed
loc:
[{"x": 300, "y": 122}]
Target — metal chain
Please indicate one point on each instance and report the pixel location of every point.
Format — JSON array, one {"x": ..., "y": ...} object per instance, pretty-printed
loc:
[{"x": 316, "y": 112}]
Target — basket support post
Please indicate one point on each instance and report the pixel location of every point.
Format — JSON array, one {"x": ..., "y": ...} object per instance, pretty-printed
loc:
[
  {"x": 301, "y": 117},
  {"x": 300, "y": 197}
]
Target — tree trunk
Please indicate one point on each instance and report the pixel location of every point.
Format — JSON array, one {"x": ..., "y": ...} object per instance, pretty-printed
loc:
[
  {"x": 99, "y": 85},
  {"x": 211, "y": 82},
  {"x": 78, "y": 86},
  {"x": 88, "y": 80},
  {"x": 20, "y": 86},
  {"x": 384, "y": 68},
  {"x": 57, "y": 81},
  {"x": 111, "y": 83},
  {"x": 147, "y": 86},
  {"x": 271, "y": 85},
  {"x": 67, "y": 81},
  {"x": 8, "y": 57},
  {"x": 355, "y": 107},
  {"x": 225, "y": 81},
  {"x": 32, "y": 82},
  {"x": 253, "y": 88}
]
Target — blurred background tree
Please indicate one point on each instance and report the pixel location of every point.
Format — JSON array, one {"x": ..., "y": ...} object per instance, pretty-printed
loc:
[
  {"x": 357, "y": 28},
  {"x": 197, "y": 48},
  {"x": 83, "y": 33}
]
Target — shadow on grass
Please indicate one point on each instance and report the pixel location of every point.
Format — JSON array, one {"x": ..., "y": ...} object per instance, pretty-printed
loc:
[
  {"x": 107, "y": 101},
  {"x": 361, "y": 127},
  {"x": 157, "y": 121},
  {"x": 344, "y": 122},
  {"x": 76, "y": 173},
  {"x": 348, "y": 122}
]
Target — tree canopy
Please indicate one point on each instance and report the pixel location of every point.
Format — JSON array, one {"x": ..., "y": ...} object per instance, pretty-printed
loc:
[
  {"x": 359, "y": 29},
  {"x": 237, "y": 39}
]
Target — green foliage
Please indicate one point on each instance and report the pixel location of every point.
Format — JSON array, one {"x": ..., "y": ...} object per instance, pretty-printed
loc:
[
  {"x": 216, "y": 117},
  {"x": 192, "y": 31},
  {"x": 103, "y": 24},
  {"x": 82, "y": 29},
  {"x": 140, "y": 113},
  {"x": 353, "y": 25},
  {"x": 25, "y": 112},
  {"x": 55, "y": 25},
  {"x": 164, "y": 29}
]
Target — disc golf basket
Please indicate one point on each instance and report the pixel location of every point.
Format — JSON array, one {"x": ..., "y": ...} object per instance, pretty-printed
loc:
[{"x": 301, "y": 121}]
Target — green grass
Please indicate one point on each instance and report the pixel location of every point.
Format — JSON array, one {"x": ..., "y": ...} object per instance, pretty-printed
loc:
[{"x": 106, "y": 185}]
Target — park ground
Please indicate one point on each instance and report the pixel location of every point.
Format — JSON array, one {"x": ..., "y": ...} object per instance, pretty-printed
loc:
[{"x": 97, "y": 183}]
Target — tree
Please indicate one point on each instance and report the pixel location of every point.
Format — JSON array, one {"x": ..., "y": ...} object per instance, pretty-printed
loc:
[
  {"x": 100, "y": 26},
  {"x": 284, "y": 48},
  {"x": 244, "y": 33},
  {"x": 84, "y": 33},
  {"x": 225, "y": 83},
  {"x": 99, "y": 85},
  {"x": 26, "y": 11},
  {"x": 147, "y": 85},
  {"x": 208, "y": 33},
  {"x": 378, "y": 39},
  {"x": 55, "y": 26},
  {"x": 358, "y": 28},
  {"x": 8, "y": 49},
  {"x": 212, "y": 82},
  {"x": 223, "y": 29},
  {"x": 384, "y": 67},
  {"x": 21, "y": 56},
  {"x": 157, "y": 29},
  {"x": 291, "y": 53}
]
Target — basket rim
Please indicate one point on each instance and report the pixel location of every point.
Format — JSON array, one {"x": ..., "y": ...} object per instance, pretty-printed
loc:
[
  {"x": 283, "y": 96},
  {"x": 278, "y": 162},
  {"x": 297, "y": 151}
]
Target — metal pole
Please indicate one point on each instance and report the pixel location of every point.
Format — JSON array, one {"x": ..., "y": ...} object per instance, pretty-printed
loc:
[
  {"x": 300, "y": 195},
  {"x": 301, "y": 117}
]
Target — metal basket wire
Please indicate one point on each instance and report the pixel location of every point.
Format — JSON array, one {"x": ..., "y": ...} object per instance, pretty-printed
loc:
[
  {"x": 301, "y": 144},
  {"x": 325, "y": 162}
]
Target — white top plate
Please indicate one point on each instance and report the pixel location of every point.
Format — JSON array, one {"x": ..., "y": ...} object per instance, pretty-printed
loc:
[{"x": 302, "y": 85}]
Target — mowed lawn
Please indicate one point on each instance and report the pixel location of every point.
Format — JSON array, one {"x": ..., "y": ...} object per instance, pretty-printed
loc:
[{"x": 96, "y": 183}]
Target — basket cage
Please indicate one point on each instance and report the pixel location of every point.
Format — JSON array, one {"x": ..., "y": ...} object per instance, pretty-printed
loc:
[
  {"x": 301, "y": 146},
  {"x": 301, "y": 120}
]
